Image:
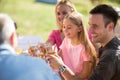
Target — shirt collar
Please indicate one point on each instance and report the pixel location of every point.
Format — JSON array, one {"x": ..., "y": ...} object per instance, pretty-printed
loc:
[
  {"x": 6, "y": 49},
  {"x": 108, "y": 45}
]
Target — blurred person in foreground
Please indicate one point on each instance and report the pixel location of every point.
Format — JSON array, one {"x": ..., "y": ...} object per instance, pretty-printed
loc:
[
  {"x": 102, "y": 21},
  {"x": 19, "y": 67}
]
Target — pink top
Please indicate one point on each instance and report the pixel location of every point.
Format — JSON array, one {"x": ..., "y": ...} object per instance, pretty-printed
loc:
[
  {"x": 55, "y": 37},
  {"x": 73, "y": 56}
]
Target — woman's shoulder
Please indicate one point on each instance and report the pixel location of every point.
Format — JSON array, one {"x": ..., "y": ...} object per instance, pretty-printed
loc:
[
  {"x": 56, "y": 31},
  {"x": 66, "y": 40}
]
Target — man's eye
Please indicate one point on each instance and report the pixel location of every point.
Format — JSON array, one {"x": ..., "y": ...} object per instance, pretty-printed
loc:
[{"x": 94, "y": 26}]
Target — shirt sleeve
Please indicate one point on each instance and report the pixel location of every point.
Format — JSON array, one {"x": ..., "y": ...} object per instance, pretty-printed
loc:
[
  {"x": 85, "y": 56},
  {"x": 62, "y": 46},
  {"x": 51, "y": 37}
]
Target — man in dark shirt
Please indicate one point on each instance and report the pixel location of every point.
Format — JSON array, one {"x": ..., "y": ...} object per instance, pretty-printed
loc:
[
  {"x": 108, "y": 67},
  {"x": 102, "y": 21}
]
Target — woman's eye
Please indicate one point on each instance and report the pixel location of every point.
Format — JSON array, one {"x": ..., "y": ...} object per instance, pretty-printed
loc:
[
  {"x": 69, "y": 28},
  {"x": 64, "y": 13},
  {"x": 63, "y": 27},
  {"x": 58, "y": 13},
  {"x": 66, "y": 27}
]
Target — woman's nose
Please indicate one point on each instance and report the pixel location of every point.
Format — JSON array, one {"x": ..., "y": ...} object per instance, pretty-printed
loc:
[
  {"x": 61, "y": 17},
  {"x": 64, "y": 29}
]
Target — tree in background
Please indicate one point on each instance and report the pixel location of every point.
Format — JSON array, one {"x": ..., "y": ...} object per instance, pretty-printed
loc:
[
  {"x": 1, "y": 5},
  {"x": 117, "y": 1},
  {"x": 96, "y": 1}
]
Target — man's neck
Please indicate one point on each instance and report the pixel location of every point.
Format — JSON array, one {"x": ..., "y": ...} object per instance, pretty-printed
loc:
[{"x": 107, "y": 40}]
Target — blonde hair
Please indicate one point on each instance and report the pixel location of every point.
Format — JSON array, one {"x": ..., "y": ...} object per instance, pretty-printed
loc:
[
  {"x": 67, "y": 3},
  {"x": 77, "y": 19}
]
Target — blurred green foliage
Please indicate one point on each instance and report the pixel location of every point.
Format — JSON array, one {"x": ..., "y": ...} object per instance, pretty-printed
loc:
[
  {"x": 38, "y": 19},
  {"x": 117, "y": 1}
]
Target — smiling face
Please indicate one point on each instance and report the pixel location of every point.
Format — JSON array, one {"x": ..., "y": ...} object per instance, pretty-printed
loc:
[
  {"x": 61, "y": 11},
  {"x": 70, "y": 30},
  {"x": 98, "y": 29}
]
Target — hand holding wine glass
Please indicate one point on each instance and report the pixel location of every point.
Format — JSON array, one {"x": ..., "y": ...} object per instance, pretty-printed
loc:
[{"x": 42, "y": 49}]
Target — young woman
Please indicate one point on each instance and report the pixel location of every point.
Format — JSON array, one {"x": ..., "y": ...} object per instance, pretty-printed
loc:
[{"x": 62, "y": 9}]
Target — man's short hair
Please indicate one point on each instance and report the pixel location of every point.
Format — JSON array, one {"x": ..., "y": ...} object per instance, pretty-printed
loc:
[
  {"x": 108, "y": 12},
  {"x": 7, "y": 27}
]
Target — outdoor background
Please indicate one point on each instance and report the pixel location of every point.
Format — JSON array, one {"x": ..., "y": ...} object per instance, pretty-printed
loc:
[{"x": 35, "y": 18}]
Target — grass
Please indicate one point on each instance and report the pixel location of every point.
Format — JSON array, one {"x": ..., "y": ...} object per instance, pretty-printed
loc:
[
  {"x": 38, "y": 19},
  {"x": 32, "y": 18}
]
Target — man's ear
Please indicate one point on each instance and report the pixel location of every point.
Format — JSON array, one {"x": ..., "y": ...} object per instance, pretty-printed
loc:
[
  {"x": 111, "y": 26},
  {"x": 12, "y": 39}
]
